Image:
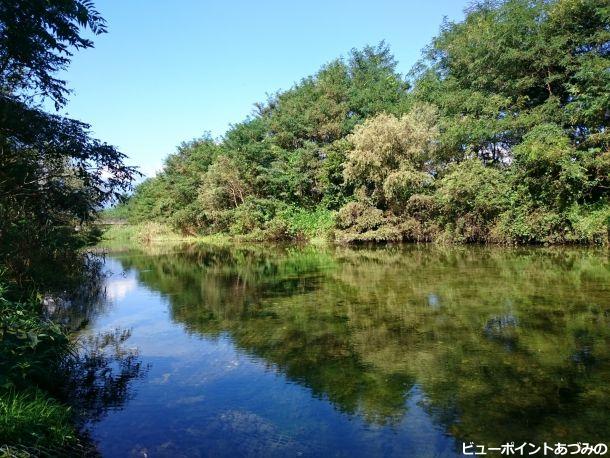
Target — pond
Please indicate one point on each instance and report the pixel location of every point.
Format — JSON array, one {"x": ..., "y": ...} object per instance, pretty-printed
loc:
[{"x": 387, "y": 351}]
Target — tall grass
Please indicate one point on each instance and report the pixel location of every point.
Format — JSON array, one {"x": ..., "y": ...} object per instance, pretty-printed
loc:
[
  {"x": 35, "y": 419},
  {"x": 144, "y": 233},
  {"x": 292, "y": 223}
]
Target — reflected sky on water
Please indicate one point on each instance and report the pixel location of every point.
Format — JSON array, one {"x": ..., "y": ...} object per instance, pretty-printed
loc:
[{"x": 388, "y": 351}]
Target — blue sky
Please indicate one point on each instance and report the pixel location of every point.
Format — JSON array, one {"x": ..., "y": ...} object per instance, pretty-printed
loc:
[{"x": 168, "y": 71}]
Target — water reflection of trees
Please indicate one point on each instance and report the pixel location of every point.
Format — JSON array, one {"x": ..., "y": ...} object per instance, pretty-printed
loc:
[
  {"x": 75, "y": 308},
  {"x": 506, "y": 344},
  {"x": 100, "y": 373}
]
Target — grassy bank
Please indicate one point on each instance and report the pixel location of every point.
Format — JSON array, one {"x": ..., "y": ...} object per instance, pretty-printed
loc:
[
  {"x": 321, "y": 232},
  {"x": 296, "y": 225},
  {"x": 141, "y": 233},
  {"x": 32, "y": 350},
  {"x": 119, "y": 236}
]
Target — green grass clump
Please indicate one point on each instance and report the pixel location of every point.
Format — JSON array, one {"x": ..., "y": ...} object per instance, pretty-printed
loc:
[
  {"x": 35, "y": 419},
  {"x": 256, "y": 222},
  {"x": 145, "y": 233},
  {"x": 32, "y": 350},
  {"x": 312, "y": 223}
]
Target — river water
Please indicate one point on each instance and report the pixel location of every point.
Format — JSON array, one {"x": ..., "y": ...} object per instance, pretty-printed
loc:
[{"x": 388, "y": 351}]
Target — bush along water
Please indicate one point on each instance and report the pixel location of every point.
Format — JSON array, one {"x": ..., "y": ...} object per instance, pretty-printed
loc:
[{"x": 32, "y": 351}]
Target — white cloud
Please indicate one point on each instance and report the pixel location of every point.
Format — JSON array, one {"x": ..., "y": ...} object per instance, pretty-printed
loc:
[{"x": 118, "y": 288}]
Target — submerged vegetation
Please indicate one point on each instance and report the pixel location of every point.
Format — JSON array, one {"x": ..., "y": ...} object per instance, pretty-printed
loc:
[{"x": 500, "y": 134}]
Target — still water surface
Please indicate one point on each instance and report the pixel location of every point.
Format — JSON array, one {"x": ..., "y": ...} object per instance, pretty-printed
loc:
[{"x": 393, "y": 351}]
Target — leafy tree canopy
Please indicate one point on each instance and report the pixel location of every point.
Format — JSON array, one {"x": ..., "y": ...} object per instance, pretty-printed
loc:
[
  {"x": 500, "y": 135},
  {"x": 53, "y": 174}
]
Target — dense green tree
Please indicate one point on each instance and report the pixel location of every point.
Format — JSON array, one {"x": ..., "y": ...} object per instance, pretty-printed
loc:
[
  {"x": 327, "y": 106},
  {"x": 501, "y": 136},
  {"x": 549, "y": 169},
  {"x": 331, "y": 175},
  {"x": 515, "y": 64},
  {"x": 375, "y": 85},
  {"x": 54, "y": 178},
  {"x": 314, "y": 110},
  {"x": 470, "y": 199},
  {"x": 37, "y": 38},
  {"x": 53, "y": 175}
]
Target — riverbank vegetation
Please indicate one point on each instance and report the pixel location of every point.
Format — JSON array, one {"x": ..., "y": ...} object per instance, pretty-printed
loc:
[
  {"x": 54, "y": 178},
  {"x": 31, "y": 353},
  {"x": 500, "y": 134}
]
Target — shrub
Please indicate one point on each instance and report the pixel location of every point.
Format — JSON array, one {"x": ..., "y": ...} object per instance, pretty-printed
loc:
[
  {"x": 470, "y": 198},
  {"x": 30, "y": 348},
  {"x": 31, "y": 353},
  {"x": 591, "y": 225},
  {"x": 524, "y": 224},
  {"x": 389, "y": 154},
  {"x": 311, "y": 223}
]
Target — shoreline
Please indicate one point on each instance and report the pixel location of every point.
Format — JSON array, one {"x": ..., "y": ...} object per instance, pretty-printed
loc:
[{"x": 137, "y": 234}]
